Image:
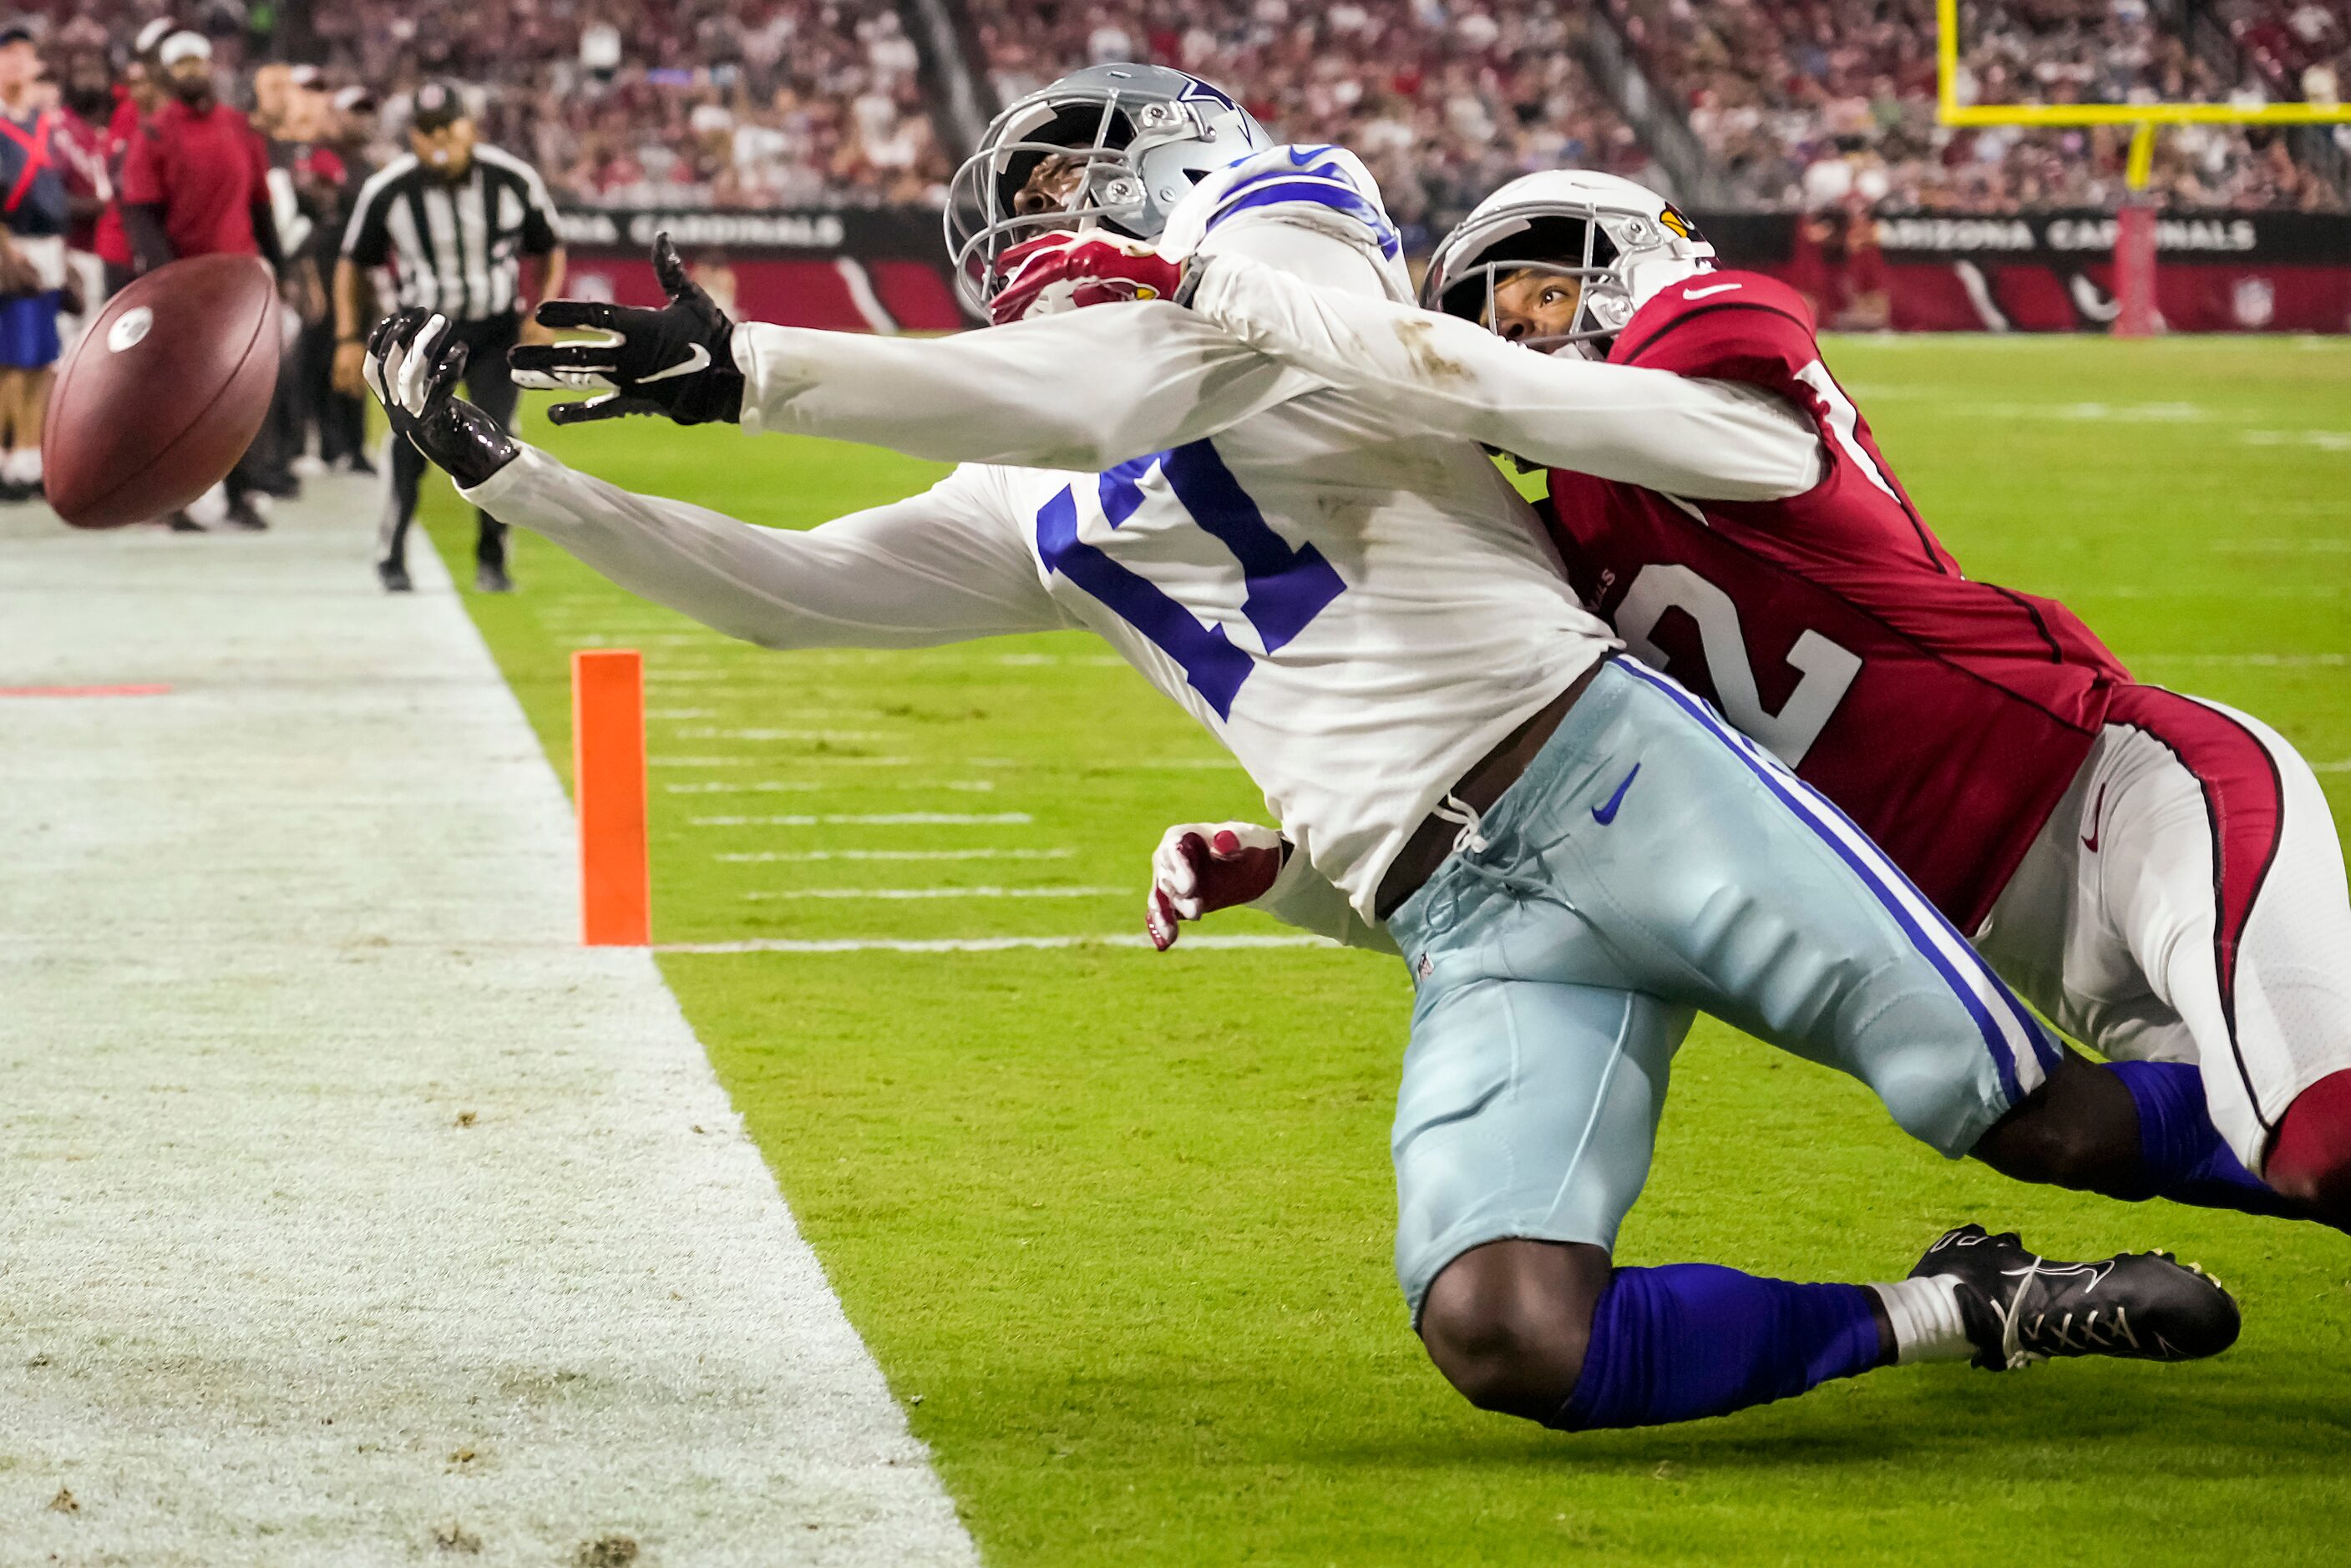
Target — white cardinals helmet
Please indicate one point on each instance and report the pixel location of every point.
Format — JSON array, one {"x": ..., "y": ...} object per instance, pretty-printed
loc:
[{"x": 1620, "y": 240}]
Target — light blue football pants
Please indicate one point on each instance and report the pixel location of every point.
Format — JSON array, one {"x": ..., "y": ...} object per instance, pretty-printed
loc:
[{"x": 1652, "y": 863}]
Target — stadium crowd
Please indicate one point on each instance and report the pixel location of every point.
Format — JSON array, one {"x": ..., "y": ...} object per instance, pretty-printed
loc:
[
  {"x": 630, "y": 103},
  {"x": 1812, "y": 104},
  {"x": 1443, "y": 103},
  {"x": 1815, "y": 104}
]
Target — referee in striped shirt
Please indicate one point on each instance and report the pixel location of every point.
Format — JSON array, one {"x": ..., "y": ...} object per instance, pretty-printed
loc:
[{"x": 451, "y": 221}]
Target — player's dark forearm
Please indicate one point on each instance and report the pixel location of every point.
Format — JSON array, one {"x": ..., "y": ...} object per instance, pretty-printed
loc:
[{"x": 143, "y": 221}]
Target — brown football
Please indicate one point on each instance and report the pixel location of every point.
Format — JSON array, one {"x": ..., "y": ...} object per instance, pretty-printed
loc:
[{"x": 164, "y": 393}]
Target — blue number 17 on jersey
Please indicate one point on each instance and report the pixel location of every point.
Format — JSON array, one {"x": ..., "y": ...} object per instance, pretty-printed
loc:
[{"x": 1287, "y": 587}]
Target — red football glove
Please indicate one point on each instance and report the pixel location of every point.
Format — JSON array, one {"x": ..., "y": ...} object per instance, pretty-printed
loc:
[
  {"x": 1204, "y": 867},
  {"x": 1068, "y": 272}
]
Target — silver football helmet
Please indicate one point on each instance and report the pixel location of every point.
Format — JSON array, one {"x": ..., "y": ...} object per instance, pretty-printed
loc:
[
  {"x": 1143, "y": 135},
  {"x": 1620, "y": 242}
]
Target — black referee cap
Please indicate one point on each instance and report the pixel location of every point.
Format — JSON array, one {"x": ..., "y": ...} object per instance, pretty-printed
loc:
[{"x": 438, "y": 104}]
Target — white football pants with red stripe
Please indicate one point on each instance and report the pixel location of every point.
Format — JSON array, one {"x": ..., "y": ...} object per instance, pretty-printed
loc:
[{"x": 2187, "y": 902}]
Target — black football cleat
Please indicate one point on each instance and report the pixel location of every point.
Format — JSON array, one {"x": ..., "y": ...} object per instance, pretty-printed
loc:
[
  {"x": 393, "y": 575},
  {"x": 491, "y": 579},
  {"x": 2020, "y": 1307}
]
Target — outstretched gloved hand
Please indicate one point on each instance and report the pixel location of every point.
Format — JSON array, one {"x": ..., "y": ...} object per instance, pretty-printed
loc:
[
  {"x": 1203, "y": 867},
  {"x": 1065, "y": 271},
  {"x": 677, "y": 361},
  {"x": 413, "y": 369}
]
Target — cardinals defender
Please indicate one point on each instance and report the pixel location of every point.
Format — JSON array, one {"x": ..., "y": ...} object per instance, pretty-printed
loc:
[
  {"x": 2160, "y": 873},
  {"x": 1377, "y": 631}
]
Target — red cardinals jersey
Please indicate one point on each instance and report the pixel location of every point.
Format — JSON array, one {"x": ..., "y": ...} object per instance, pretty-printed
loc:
[{"x": 1945, "y": 716}]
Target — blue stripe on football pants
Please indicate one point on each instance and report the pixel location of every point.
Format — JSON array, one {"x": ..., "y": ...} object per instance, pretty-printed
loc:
[{"x": 2011, "y": 1032}]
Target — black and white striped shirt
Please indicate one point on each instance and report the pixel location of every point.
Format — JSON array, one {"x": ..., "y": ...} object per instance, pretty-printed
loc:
[{"x": 454, "y": 247}]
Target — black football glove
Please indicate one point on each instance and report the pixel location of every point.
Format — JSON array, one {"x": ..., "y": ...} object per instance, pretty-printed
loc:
[
  {"x": 413, "y": 369},
  {"x": 677, "y": 361}
]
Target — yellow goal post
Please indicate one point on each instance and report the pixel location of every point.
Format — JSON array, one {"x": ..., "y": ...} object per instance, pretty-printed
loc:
[{"x": 2134, "y": 227}]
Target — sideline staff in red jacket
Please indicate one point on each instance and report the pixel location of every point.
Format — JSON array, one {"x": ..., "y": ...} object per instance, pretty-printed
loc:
[{"x": 197, "y": 183}]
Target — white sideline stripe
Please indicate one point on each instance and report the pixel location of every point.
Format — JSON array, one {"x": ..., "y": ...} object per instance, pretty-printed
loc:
[
  {"x": 330, "y": 1153},
  {"x": 874, "y": 819},
  {"x": 981, "y": 944},
  {"x": 940, "y": 893},
  {"x": 766, "y": 856}
]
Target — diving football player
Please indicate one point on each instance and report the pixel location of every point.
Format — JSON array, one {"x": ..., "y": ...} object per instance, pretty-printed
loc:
[{"x": 1572, "y": 851}]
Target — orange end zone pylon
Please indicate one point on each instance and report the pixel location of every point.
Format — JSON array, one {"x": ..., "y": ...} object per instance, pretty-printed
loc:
[{"x": 608, "y": 771}]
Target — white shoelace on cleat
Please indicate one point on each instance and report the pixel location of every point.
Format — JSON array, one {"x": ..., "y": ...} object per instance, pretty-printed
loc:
[{"x": 2012, "y": 1340}]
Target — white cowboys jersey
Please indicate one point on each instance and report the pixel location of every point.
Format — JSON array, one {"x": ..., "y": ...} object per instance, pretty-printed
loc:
[{"x": 1359, "y": 619}]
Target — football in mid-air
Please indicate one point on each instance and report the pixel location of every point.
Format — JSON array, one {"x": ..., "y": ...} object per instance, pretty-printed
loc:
[{"x": 163, "y": 392}]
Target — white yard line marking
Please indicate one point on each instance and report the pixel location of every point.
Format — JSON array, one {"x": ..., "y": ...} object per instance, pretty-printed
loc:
[
  {"x": 831, "y": 759},
  {"x": 984, "y": 944},
  {"x": 2324, "y": 440},
  {"x": 2293, "y": 591},
  {"x": 2341, "y": 767},
  {"x": 875, "y": 819},
  {"x": 899, "y": 893},
  {"x": 1187, "y": 765},
  {"x": 668, "y": 714},
  {"x": 2254, "y": 660},
  {"x": 648, "y": 639},
  {"x": 767, "y": 855},
  {"x": 704, "y": 733},
  {"x": 329, "y": 1159},
  {"x": 763, "y": 786}
]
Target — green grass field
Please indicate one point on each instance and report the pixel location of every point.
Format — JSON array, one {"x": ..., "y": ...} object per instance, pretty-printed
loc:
[{"x": 1117, "y": 1224}]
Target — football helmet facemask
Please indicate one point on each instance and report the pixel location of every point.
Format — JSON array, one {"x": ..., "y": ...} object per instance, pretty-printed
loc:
[
  {"x": 1621, "y": 242},
  {"x": 1141, "y": 137}
]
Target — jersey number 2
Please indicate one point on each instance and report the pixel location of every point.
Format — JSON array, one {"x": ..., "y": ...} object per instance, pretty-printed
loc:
[
  {"x": 1828, "y": 669},
  {"x": 1287, "y": 587}
]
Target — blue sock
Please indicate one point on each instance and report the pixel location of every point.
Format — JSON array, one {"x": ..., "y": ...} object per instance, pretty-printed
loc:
[
  {"x": 2181, "y": 1154},
  {"x": 1691, "y": 1340}
]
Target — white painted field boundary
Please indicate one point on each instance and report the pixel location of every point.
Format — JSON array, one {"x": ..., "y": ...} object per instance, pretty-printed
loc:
[
  {"x": 355, "y": 1214},
  {"x": 982, "y": 944}
]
